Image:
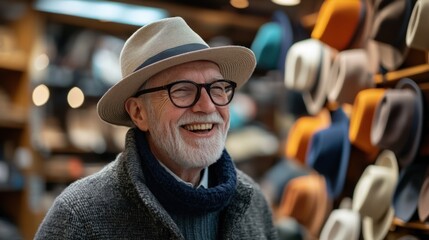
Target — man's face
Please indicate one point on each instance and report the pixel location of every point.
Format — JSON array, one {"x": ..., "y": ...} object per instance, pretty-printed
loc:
[{"x": 191, "y": 137}]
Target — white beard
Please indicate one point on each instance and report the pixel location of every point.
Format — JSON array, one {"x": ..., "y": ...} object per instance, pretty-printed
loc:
[{"x": 199, "y": 153}]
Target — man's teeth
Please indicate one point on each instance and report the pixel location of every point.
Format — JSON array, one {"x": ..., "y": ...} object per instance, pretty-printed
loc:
[{"x": 199, "y": 127}]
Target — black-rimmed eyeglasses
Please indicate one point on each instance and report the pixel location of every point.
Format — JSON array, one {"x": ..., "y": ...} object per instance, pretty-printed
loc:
[{"x": 185, "y": 93}]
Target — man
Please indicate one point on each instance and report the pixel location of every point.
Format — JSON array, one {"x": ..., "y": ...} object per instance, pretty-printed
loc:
[{"x": 174, "y": 179}]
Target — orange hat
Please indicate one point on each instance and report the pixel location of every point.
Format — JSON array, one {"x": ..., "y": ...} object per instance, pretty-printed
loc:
[
  {"x": 361, "y": 119},
  {"x": 301, "y": 132},
  {"x": 338, "y": 21},
  {"x": 306, "y": 199}
]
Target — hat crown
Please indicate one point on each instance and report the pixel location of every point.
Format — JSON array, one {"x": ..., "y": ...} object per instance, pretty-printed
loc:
[{"x": 152, "y": 39}]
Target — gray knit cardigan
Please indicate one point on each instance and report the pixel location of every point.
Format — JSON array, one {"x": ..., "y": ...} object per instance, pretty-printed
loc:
[{"x": 115, "y": 203}]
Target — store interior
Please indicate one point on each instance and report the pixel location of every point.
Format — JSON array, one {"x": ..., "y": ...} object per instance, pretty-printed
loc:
[{"x": 333, "y": 123}]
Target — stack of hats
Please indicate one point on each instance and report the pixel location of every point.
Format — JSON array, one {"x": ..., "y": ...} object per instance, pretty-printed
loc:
[
  {"x": 352, "y": 41},
  {"x": 389, "y": 31}
]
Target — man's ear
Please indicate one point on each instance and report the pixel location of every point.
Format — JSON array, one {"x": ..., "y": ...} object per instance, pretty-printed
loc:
[{"x": 137, "y": 113}]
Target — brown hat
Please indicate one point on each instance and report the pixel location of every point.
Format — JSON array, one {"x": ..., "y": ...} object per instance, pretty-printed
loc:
[
  {"x": 306, "y": 199},
  {"x": 389, "y": 30},
  {"x": 398, "y": 121},
  {"x": 300, "y": 134},
  {"x": 163, "y": 44}
]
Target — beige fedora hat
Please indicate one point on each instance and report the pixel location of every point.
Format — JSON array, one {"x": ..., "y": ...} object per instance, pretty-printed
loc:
[
  {"x": 308, "y": 62},
  {"x": 342, "y": 223},
  {"x": 418, "y": 27},
  {"x": 373, "y": 195},
  {"x": 159, "y": 46},
  {"x": 349, "y": 74}
]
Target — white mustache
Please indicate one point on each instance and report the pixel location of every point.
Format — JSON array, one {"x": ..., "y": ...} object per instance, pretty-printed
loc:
[{"x": 193, "y": 118}]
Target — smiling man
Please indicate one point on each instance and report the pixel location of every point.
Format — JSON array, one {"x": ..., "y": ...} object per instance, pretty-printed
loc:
[{"x": 175, "y": 179}]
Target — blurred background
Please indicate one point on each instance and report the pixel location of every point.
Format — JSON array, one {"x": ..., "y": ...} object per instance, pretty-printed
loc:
[{"x": 57, "y": 58}]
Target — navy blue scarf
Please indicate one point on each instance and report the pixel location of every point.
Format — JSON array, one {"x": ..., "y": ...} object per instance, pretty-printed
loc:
[{"x": 177, "y": 197}]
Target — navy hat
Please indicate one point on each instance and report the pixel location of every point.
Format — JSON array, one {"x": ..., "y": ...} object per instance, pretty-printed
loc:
[
  {"x": 329, "y": 152},
  {"x": 406, "y": 197}
]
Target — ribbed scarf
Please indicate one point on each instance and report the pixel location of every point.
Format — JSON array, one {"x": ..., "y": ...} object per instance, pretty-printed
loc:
[{"x": 177, "y": 197}]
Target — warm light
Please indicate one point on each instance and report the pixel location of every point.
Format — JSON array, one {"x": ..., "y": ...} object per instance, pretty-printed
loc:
[
  {"x": 106, "y": 11},
  {"x": 40, "y": 95},
  {"x": 41, "y": 62},
  {"x": 239, "y": 3},
  {"x": 287, "y": 2},
  {"x": 75, "y": 97}
]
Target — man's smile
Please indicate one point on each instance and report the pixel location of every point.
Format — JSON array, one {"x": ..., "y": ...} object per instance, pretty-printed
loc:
[{"x": 198, "y": 127}]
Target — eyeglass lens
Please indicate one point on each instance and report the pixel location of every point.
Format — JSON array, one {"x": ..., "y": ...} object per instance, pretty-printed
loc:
[{"x": 186, "y": 94}]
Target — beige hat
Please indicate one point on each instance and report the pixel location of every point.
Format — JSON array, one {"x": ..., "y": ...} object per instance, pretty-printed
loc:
[
  {"x": 349, "y": 74},
  {"x": 308, "y": 63},
  {"x": 373, "y": 195},
  {"x": 418, "y": 26},
  {"x": 342, "y": 223},
  {"x": 159, "y": 46}
]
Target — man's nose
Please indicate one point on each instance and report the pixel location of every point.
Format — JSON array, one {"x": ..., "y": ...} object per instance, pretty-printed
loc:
[{"x": 204, "y": 103}]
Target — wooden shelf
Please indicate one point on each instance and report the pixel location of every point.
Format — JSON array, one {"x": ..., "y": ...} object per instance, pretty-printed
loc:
[
  {"x": 13, "y": 118},
  {"x": 15, "y": 61},
  {"x": 416, "y": 226},
  {"x": 417, "y": 73}
]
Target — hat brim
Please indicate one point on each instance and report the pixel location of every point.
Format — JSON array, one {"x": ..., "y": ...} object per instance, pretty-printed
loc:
[
  {"x": 315, "y": 99},
  {"x": 379, "y": 229},
  {"x": 392, "y": 57},
  {"x": 406, "y": 196},
  {"x": 422, "y": 207},
  {"x": 341, "y": 224},
  {"x": 411, "y": 150},
  {"x": 236, "y": 63}
]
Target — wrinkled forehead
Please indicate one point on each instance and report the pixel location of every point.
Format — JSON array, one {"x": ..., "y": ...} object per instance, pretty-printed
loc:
[{"x": 184, "y": 71}]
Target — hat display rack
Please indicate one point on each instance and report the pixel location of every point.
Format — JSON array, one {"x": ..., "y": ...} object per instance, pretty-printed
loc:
[{"x": 367, "y": 79}]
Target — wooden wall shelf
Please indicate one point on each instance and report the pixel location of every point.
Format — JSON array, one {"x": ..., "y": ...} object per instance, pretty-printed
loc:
[
  {"x": 415, "y": 226},
  {"x": 15, "y": 61},
  {"x": 418, "y": 73}
]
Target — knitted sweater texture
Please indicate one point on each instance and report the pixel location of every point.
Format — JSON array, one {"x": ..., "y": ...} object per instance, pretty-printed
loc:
[{"x": 115, "y": 203}]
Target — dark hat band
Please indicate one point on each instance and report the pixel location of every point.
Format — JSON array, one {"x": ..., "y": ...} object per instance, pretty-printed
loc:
[{"x": 172, "y": 52}]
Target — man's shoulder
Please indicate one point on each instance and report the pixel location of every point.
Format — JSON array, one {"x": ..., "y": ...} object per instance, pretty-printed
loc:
[
  {"x": 245, "y": 178},
  {"x": 92, "y": 186}
]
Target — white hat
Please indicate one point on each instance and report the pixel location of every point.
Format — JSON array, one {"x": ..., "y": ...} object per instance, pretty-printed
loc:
[
  {"x": 307, "y": 65},
  {"x": 373, "y": 195},
  {"x": 163, "y": 44},
  {"x": 418, "y": 26}
]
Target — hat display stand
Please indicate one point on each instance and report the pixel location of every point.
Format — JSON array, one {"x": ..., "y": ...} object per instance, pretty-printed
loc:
[
  {"x": 405, "y": 56},
  {"x": 415, "y": 67}
]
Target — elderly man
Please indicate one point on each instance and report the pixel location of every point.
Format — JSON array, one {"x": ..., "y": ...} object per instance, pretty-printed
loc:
[{"x": 174, "y": 180}]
